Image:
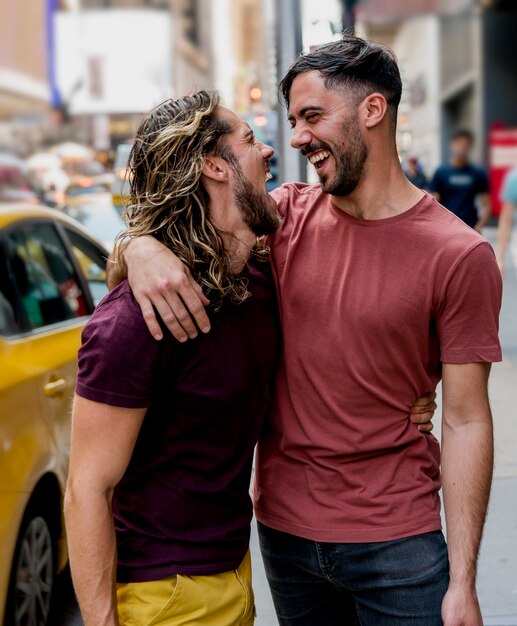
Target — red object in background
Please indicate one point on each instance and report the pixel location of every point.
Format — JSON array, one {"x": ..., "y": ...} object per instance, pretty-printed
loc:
[{"x": 502, "y": 156}]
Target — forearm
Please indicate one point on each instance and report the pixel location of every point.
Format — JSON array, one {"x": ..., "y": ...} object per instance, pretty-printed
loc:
[
  {"x": 486, "y": 212},
  {"x": 467, "y": 465},
  {"x": 92, "y": 549},
  {"x": 504, "y": 231}
]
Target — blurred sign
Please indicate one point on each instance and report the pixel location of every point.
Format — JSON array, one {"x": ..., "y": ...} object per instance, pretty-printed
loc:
[{"x": 502, "y": 157}]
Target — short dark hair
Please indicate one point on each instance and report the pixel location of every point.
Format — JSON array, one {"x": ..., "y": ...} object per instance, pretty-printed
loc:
[
  {"x": 463, "y": 133},
  {"x": 363, "y": 66}
]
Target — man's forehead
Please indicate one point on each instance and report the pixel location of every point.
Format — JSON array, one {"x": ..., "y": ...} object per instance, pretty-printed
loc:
[
  {"x": 233, "y": 119},
  {"x": 307, "y": 90}
]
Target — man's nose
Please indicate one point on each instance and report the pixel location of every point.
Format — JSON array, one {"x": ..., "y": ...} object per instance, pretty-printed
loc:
[
  {"x": 300, "y": 138},
  {"x": 267, "y": 152}
]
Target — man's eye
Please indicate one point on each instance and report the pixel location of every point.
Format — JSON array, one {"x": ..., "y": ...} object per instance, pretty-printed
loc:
[{"x": 311, "y": 117}]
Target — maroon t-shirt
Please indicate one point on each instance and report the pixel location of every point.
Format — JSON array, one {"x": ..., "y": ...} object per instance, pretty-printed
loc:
[{"x": 183, "y": 505}]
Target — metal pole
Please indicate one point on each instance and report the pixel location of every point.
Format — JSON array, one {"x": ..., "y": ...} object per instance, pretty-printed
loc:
[
  {"x": 348, "y": 16},
  {"x": 292, "y": 166}
]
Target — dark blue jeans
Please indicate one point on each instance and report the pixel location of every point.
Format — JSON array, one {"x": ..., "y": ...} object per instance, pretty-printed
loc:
[{"x": 391, "y": 583}]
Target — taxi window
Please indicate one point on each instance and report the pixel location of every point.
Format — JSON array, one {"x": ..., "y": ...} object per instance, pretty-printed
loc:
[
  {"x": 92, "y": 262},
  {"x": 9, "y": 311},
  {"x": 44, "y": 275}
]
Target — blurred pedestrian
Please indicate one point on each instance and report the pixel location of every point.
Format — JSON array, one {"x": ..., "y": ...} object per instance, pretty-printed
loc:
[
  {"x": 382, "y": 293},
  {"x": 460, "y": 185},
  {"x": 506, "y": 218},
  {"x": 415, "y": 173}
]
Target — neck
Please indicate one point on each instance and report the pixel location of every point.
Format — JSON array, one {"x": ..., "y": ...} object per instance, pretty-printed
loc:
[
  {"x": 459, "y": 161},
  {"x": 383, "y": 192},
  {"x": 237, "y": 238},
  {"x": 238, "y": 245}
]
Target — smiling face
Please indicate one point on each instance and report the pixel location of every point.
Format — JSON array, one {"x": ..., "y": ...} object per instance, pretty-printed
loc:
[
  {"x": 326, "y": 130},
  {"x": 249, "y": 162}
]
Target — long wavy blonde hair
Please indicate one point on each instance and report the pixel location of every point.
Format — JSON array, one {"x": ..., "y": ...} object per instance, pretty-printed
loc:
[{"x": 167, "y": 197}]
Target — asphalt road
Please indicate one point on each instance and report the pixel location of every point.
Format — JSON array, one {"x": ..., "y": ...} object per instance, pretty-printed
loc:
[{"x": 497, "y": 581}]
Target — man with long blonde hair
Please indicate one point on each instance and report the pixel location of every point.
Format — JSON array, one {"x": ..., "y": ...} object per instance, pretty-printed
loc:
[{"x": 157, "y": 505}]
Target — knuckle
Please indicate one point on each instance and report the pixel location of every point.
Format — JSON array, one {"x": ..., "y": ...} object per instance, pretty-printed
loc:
[
  {"x": 182, "y": 316},
  {"x": 148, "y": 315}
]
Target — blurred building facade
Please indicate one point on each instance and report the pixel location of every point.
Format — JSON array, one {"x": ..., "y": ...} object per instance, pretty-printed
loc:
[
  {"x": 25, "y": 95},
  {"x": 458, "y": 60},
  {"x": 117, "y": 59},
  {"x": 244, "y": 53}
]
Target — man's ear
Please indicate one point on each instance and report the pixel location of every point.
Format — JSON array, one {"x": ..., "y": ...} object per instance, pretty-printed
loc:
[
  {"x": 373, "y": 109},
  {"x": 215, "y": 168}
]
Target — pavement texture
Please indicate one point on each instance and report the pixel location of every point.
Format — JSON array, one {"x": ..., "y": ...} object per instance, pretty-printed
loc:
[{"x": 497, "y": 579}]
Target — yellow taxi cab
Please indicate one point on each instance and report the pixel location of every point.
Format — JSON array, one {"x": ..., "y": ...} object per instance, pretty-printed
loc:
[
  {"x": 52, "y": 275},
  {"x": 85, "y": 191}
]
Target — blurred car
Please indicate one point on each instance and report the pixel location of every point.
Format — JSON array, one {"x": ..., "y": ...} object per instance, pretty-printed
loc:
[
  {"x": 52, "y": 274},
  {"x": 120, "y": 187},
  {"x": 100, "y": 218},
  {"x": 15, "y": 181},
  {"x": 92, "y": 169},
  {"x": 86, "y": 191}
]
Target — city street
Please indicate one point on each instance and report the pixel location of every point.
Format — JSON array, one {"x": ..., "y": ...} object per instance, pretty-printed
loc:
[{"x": 498, "y": 566}]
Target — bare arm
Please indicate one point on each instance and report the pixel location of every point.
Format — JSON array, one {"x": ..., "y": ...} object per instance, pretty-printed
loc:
[
  {"x": 103, "y": 438},
  {"x": 467, "y": 464},
  {"x": 504, "y": 232},
  {"x": 486, "y": 211},
  {"x": 162, "y": 284}
]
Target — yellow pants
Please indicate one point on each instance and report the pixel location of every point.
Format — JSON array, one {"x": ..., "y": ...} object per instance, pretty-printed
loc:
[{"x": 219, "y": 600}]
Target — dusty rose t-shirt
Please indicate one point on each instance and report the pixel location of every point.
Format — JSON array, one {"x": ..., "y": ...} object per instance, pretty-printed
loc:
[{"x": 369, "y": 310}]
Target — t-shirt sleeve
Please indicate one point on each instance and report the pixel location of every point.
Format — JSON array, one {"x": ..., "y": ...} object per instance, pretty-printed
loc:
[
  {"x": 468, "y": 321},
  {"x": 118, "y": 357},
  {"x": 435, "y": 184},
  {"x": 509, "y": 190}
]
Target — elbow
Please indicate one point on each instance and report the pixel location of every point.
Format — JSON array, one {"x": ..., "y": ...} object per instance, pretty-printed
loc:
[{"x": 83, "y": 496}]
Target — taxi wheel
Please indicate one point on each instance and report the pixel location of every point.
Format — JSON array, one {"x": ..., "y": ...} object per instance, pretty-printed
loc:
[{"x": 33, "y": 572}]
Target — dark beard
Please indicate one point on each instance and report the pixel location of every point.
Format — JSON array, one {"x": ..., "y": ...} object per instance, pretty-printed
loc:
[
  {"x": 349, "y": 158},
  {"x": 259, "y": 210}
]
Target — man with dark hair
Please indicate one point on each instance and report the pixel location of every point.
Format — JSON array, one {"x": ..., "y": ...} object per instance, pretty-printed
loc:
[
  {"x": 459, "y": 185},
  {"x": 382, "y": 293}
]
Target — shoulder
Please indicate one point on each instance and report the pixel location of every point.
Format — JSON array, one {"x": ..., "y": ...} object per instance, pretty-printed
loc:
[
  {"x": 445, "y": 232},
  {"x": 441, "y": 171},
  {"x": 479, "y": 172},
  {"x": 296, "y": 192},
  {"x": 118, "y": 319}
]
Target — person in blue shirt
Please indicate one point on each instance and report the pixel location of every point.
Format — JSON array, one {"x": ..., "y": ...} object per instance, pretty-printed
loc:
[
  {"x": 460, "y": 185},
  {"x": 504, "y": 230}
]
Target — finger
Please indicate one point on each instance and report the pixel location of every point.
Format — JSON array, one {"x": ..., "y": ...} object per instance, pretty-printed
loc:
[
  {"x": 174, "y": 316},
  {"x": 422, "y": 418},
  {"x": 149, "y": 317},
  {"x": 425, "y": 400},
  {"x": 426, "y": 428},
  {"x": 199, "y": 291},
  {"x": 195, "y": 307},
  {"x": 424, "y": 408}
]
